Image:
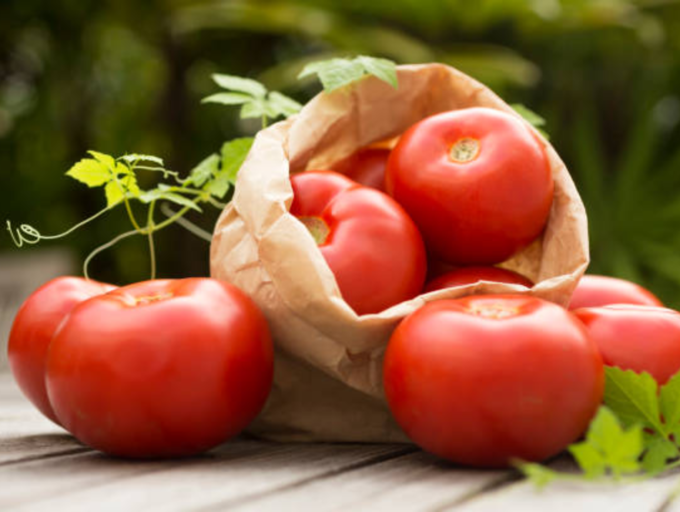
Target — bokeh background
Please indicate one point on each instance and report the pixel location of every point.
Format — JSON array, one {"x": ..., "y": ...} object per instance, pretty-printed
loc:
[{"x": 127, "y": 76}]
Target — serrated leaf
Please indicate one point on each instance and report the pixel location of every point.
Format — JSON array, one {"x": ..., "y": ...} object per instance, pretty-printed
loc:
[
  {"x": 659, "y": 451},
  {"x": 164, "y": 193},
  {"x": 258, "y": 108},
  {"x": 632, "y": 397},
  {"x": 237, "y": 83},
  {"x": 204, "y": 171},
  {"x": 107, "y": 160},
  {"x": 228, "y": 98},
  {"x": 233, "y": 155},
  {"x": 589, "y": 459},
  {"x": 91, "y": 172},
  {"x": 384, "y": 69},
  {"x": 538, "y": 475},
  {"x": 283, "y": 105},
  {"x": 136, "y": 157},
  {"x": 669, "y": 400},
  {"x": 116, "y": 191},
  {"x": 608, "y": 446},
  {"x": 336, "y": 73}
]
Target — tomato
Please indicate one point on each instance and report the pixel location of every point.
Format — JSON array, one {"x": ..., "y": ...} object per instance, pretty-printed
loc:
[
  {"x": 470, "y": 275},
  {"x": 33, "y": 328},
  {"x": 160, "y": 368},
  {"x": 366, "y": 166},
  {"x": 485, "y": 379},
  {"x": 638, "y": 338},
  {"x": 372, "y": 246},
  {"x": 593, "y": 291},
  {"x": 476, "y": 181}
]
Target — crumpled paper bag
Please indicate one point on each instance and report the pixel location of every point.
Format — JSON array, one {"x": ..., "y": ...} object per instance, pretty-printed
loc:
[{"x": 327, "y": 383}]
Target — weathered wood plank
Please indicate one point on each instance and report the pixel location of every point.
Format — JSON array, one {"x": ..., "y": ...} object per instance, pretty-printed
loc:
[
  {"x": 562, "y": 496},
  {"x": 414, "y": 482}
]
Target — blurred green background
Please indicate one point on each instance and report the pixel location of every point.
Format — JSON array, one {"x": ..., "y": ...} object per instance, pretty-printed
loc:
[{"x": 127, "y": 76}]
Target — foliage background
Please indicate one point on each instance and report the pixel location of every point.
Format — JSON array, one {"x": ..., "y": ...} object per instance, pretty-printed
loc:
[{"x": 123, "y": 76}]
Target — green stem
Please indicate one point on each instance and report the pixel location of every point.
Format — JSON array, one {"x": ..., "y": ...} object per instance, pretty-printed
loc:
[
  {"x": 152, "y": 248},
  {"x": 171, "y": 220},
  {"x": 186, "y": 224},
  {"x": 105, "y": 246},
  {"x": 264, "y": 122}
]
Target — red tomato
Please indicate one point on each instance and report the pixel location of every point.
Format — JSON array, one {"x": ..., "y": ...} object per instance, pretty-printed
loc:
[
  {"x": 366, "y": 166},
  {"x": 485, "y": 379},
  {"x": 594, "y": 291},
  {"x": 638, "y": 338},
  {"x": 470, "y": 275},
  {"x": 160, "y": 368},
  {"x": 33, "y": 328},
  {"x": 477, "y": 182},
  {"x": 368, "y": 241}
]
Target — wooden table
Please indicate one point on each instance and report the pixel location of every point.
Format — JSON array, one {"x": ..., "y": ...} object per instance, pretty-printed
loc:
[{"x": 44, "y": 468}]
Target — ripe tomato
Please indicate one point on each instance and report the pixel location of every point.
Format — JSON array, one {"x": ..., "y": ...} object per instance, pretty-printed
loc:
[
  {"x": 471, "y": 275},
  {"x": 594, "y": 291},
  {"x": 476, "y": 181},
  {"x": 638, "y": 338},
  {"x": 160, "y": 368},
  {"x": 485, "y": 379},
  {"x": 368, "y": 241},
  {"x": 33, "y": 328},
  {"x": 366, "y": 166}
]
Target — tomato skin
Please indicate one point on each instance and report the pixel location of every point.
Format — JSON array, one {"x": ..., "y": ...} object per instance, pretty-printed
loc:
[
  {"x": 160, "y": 368},
  {"x": 33, "y": 328},
  {"x": 485, "y": 379},
  {"x": 477, "y": 212},
  {"x": 634, "y": 337},
  {"x": 366, "y": 166},
  {"x": 470, "y": 275},
  {"x": 594, "y": 291},
  {"x": 373, "y": 248}
]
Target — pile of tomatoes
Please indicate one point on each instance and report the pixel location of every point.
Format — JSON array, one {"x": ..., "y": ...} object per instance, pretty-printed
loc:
[{"x": 171, "y": 368}]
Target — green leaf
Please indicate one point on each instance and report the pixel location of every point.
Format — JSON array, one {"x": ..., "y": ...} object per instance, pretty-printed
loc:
[
  {"x": 384, "y": 69},
  {"x": 234, "y": 154},
  {"x": 228, "y": 98},
  {"x": 164, "y": 193},
  {"x": 90, "y": 172},
  {"x": 117, "y": 190},
  {"x": 659, "y": 451},
  {"x": 538, "y": 475},
  {"x": 204, "y": 171},
  {"x": 336, "y": 73},
  {"x": 132, "y": 158},
  {"x": 608, "y": 447},
  {"x": 283, "y": 105},
  {"x": 239, "y": 84},
  {"x": 107, "y": 160},
  {"x": 531, "y": 117},
  {"x": 258, "y": 108},
  {"x": 669, "y": 400},
  {"x": 633, "y": 397}
]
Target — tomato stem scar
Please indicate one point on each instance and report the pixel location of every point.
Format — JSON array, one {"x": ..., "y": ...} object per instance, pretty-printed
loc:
[
  {"x": 496, "y": 311},
  {"x": 317, "y": 227},
  {"x": 464, "y": 150}
]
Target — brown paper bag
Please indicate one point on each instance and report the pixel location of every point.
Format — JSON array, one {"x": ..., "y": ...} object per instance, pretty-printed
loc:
[{"x": 327, "y": 383}]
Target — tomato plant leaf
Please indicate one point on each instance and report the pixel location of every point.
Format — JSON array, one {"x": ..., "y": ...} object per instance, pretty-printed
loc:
[
  {"x": 133, "y": 158},
  {"x": 233, "y": 154},
  {"x": 117, "y": 190},
  {"x": 283, "y": 105},
  {"x": 609, "y": 447},
  {"x": 336, "y": 73},
  {"x": 384, "y": 69},
  {"x": 633, "y": 397},
  {"x": 537, "y": 474},
  {"x": 669, "y": 400},
  {"x": 659, "y": 451},
  {"x": 228, "y": 98},
  {"x": 240, "y": 84},
  {"x": 91, "y": 172},
  {"x": 204, "y": 171},
  {"x": 107, "y": 160}
]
